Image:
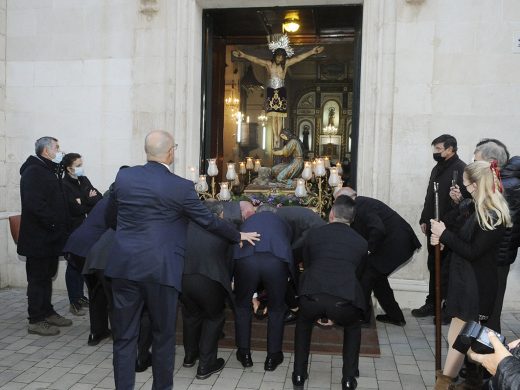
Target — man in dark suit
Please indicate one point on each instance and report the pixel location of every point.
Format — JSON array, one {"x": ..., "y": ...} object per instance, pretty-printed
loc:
[
  {"x": 334, "y": 256},
  {"x": 208, "y": 263},
  {"x": 270, "y": 263},
  {"x": 43, "y": 232},
  {"x": 391, "y": 243},
  {"x": 147, "y": 258}
]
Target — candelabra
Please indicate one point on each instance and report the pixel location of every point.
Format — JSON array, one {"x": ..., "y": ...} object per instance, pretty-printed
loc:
[{"x": 249, "y": 166}]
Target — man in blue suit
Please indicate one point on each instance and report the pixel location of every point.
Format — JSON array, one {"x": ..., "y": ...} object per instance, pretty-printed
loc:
[{"x": 147, "y": 258}]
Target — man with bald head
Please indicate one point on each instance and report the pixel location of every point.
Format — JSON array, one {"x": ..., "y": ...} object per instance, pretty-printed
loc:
[
  {"x": 153, "y": 208},
  {"x": 391, "y": 243}
]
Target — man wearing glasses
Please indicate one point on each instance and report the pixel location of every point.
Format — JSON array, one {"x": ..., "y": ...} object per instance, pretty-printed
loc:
[{"x": 448, "y": 173}]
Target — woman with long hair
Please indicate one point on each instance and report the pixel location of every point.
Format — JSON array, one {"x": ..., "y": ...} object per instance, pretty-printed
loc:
[{"x": 473, "y": 283}]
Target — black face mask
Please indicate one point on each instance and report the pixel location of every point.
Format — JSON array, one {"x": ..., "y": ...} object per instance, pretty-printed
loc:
[{"x": 437, "y": 157}]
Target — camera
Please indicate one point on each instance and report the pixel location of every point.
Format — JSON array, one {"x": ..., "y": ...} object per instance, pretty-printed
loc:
[{"x": 475, "y": 336}]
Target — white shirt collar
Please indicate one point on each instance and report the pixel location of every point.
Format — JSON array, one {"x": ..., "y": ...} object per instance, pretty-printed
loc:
[{"x": 167, "y": 166}]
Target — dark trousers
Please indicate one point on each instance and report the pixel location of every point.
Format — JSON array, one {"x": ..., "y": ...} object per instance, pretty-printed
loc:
[
  {"x": 445, "y": 269},
  {"x": 494, "y": 319},
  {"x": 74, "y": 281},
  {"x": 203, "y": 317},
  {"x": 273, "y": 273},
  {"x": 100, "y": 302},
  {"x": 317, "y": 306},
  {"x": 373, "y": 280},
  {"x": 161, "y": 301},
  {"x": 40, "y": 271}
]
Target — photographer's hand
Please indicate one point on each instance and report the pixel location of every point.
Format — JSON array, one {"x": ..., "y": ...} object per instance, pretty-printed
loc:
[
  {"x": 455, "y": 194},
  {"x": 513, "y": 344},
  {"x": 491, "y": 361}
]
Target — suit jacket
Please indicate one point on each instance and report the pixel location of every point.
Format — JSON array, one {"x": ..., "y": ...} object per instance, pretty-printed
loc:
[
  {"x": 275, "y": 237},
  {"x": 209, "y": 255},
  {"x": 391, "y": 240},
  {"x": 44, "y": 222},
  {"x": 300, "y": 219},
  {"x": 334, "y": 257},
  {"x": 153, "y": 210},
  {"x": 89, "y": 232}
]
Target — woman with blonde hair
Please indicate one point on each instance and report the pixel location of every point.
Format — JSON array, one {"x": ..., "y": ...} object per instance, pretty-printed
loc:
[{"x": 473, "y": 282}]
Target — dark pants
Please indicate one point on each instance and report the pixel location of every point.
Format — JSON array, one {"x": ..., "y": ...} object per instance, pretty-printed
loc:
[
  {"x": 273, "y": 273},
  {"x": 317, "y": 306},
  {"x": 203, "y": 317},
  {"x": 74, "y": 281},
  {"x": 161, "y": 301},
  {"x": 494, "y": 319},
  {"x": 373, "y": 280},
  {"x": 100, "y": 302},
  {"x": 40, "y": 271},
  {"x": 445, "y": 268}
]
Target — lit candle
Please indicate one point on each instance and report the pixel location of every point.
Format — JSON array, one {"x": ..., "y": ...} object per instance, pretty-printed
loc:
[
  {"x": 314, "y": 166},
  {"x": 307, "y": 171},
  {"x": 242, "y": 168},
  {"x": 231, "y": 174},
  {"x": 202, "y": 184},
  {"x": 320, "y": 168},
  {"x": 249, "y": 163},
  {"x": 326, "y": 162},
  {"x": 300, "y": 190},
  {"x": 212, "y": 167},
  {"x": 192, "y": 175},
  {"x": 334, "y": 178},
  {"x": 224, "y": 192},
  {"x": 258, "y": 165},
  {"x": 338, "y": 167}
]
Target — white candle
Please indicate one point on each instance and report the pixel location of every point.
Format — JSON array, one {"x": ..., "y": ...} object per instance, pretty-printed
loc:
[
  {"x": 258, "y": 165},
  {"x": 333, "y": 178},
  {"x": 242, "y": 168},
  {"x": 249, "y": 163},
  {"x": 320, "y": 168},
  {"x": 326, "y": 162},
  {"x": 202, "y": 184},
  {"x": 224, "y": 192},
  {"x": 231, "y": 174},
  {"x": 212, "y": 167},
  {"x": 307, "y": 171},
  {"x": 338, "y": 167},
  {"x": 192, "y": 175},
  {"x": 300, "y": 190}
]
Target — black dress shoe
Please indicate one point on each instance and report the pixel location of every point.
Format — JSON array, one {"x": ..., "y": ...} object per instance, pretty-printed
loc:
[
  {"x": 348, "y": 383},
  {"x": 206, "y": 372},
  {"x": 94, "y": 339},
  {"x": 290, "y": 317},
  {"x": 189, "y": 361},
  {"x": 273, "y": 360},
  {"x": 245, "y": 359},
  {"x": 298, "y": 381},
  {"x": 387, "y": 320},
  {"x": 143, "y": 364}
]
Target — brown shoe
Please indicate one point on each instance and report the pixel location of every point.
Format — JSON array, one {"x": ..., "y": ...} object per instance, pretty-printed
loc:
[
  {"x": 43, "y": 328},
  {"x": 57, "y": 320},
  {"x": 442, "y": 382}
]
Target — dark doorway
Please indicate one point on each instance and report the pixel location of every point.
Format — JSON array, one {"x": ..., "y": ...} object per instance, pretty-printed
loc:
[{"x": 322, "y": 90}]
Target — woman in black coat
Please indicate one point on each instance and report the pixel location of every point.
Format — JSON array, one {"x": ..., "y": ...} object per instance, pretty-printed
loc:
[
  {"x": 473, "y": 282},
  {"x": 81, "y": 197}
]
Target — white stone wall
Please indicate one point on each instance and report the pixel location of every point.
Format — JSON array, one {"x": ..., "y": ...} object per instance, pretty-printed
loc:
[
  {"x": 4, "y": 226},
  {"x": 98, "y": 75}
]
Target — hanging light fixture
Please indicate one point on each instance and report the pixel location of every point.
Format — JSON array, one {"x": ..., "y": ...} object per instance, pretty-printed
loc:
[
  {"x": 291, "y": 22},
  {"x": 232, "y": 101}
]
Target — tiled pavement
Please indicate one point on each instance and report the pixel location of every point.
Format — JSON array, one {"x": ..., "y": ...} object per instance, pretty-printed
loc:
[{"x": 66, "y": 362}]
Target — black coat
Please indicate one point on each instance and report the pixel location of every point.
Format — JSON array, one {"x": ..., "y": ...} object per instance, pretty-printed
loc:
[
  {"x": 507, "y": 376},
  {"x": 511, "y": 181},
  {"x": 391, "y": 240},
  {"x": 473, "y": 269},
  {"x": 442, "y": 173},
  {"x": 44, "y": 223},
  {"x": 334, "y": 257},
  {"x": 301, "y": 219},
  {"x": 79, "y": 189},
  {"x": 209, "y": 255}
]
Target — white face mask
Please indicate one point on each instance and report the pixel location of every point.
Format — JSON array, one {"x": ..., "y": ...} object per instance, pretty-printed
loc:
[
  {"x": 59, "y": 156},
  {"x": 79, "y": 171}
]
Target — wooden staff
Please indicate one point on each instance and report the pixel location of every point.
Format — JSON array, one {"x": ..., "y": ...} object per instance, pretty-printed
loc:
[{"x": 438, "y": 334}]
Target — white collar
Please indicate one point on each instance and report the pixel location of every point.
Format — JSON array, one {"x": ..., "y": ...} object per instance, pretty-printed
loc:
[{"x": 167, "y": 167}]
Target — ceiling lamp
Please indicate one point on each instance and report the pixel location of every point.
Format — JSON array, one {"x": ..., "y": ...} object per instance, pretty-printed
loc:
[{"x": 291, "y": 22}]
